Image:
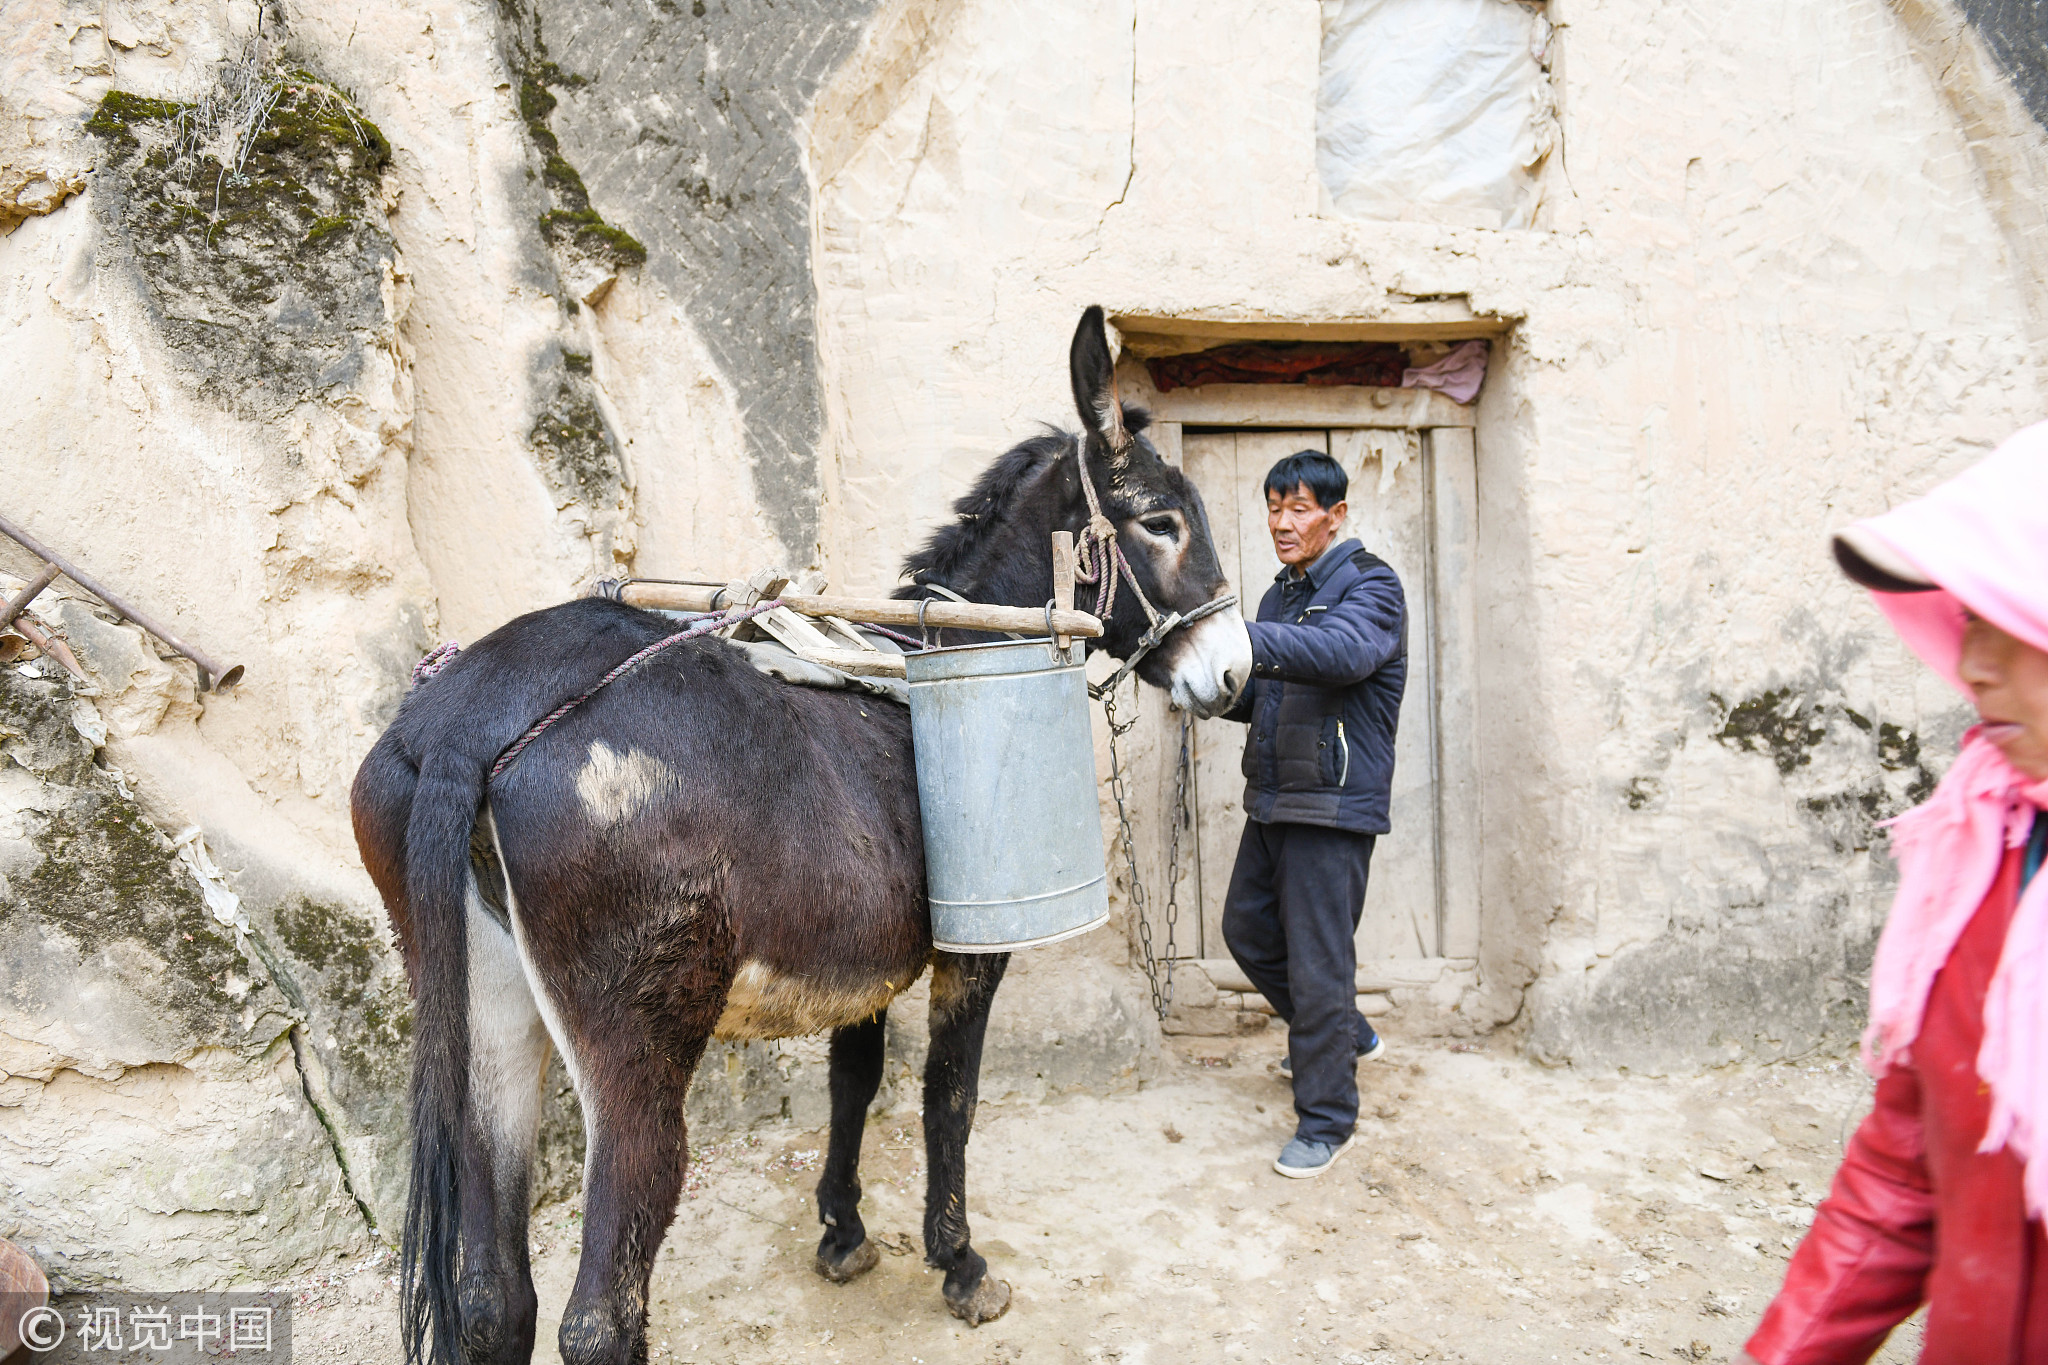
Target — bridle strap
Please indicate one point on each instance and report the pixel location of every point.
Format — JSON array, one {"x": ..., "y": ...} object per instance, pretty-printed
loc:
[
  {"x": 1161, "y": 628},
  {"x": 1098, "y": 558}
]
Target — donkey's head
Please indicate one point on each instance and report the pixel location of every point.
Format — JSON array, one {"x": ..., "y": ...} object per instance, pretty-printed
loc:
[
  {"x": 1164, "y": 532},
  {"x": 999, "y": 549}
]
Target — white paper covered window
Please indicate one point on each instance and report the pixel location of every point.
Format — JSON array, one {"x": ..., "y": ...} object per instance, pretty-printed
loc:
[{"x": 1434, "y": 111}]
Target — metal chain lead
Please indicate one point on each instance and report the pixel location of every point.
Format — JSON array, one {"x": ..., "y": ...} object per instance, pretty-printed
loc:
[
  {"x": 1128, "y": 844},
  {"x": 1161, "y": 983},
  {"x": 1181, "y": 817},
  {"x": 1100, "y": 560}
]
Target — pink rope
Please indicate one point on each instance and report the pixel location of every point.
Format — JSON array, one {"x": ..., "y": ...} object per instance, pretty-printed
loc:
[
  {"x": 703, "y": 627},
  {"x": 898, "y": 636},
  {"x": 437, "y": 659}
]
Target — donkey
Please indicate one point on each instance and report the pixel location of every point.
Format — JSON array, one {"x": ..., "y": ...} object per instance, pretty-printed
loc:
[{"x": 701, "y": 851}]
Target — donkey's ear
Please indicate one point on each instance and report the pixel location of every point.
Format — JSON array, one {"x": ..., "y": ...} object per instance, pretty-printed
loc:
[{"x": 1094, "y": 376}]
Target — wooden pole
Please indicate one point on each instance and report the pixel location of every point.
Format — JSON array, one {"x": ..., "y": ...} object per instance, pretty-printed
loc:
[
  {"x": 887, "y": 611},
  {"x": 1063, "y": 580},
  {"x": 28, "y": 595}
]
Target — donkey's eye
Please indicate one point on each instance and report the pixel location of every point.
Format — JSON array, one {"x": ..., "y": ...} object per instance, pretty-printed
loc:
[{"x": 1166, "y": 528}]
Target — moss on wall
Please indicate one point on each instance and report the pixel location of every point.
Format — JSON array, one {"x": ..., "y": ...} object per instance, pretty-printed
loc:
[
  {"x": 570, "y": 223},
  {"x": 108, "y": 880},
  {"x": 694, "y": 117},
  {"x": 174, "y": 1126},
  {"x": 1789, "y": 725},
  {"x": 1778, "y": 722},
  {"x": 357, "y": 989},
  {"x": 261, "y": 248},
  {"x": 570, "y": 436},
  {"x": 572, "y": 439}
]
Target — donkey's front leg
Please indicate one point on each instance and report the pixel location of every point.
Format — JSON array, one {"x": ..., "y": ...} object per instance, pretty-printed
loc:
[
  {"x": 963, "y": 986},
  {"x": 845, "y": 1252}
]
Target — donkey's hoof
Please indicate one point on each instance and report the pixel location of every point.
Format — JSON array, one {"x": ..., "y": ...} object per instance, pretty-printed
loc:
[
  {"x": 852, "y": 1265},
  {"x": 989, "y": 1301}
]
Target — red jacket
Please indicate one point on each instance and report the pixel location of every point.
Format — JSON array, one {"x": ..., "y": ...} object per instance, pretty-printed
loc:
[{"x": 1916, "y": 1215}]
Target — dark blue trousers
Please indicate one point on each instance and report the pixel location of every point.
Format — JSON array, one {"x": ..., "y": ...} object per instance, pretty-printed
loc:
[{"x": 1293, "y": 905}]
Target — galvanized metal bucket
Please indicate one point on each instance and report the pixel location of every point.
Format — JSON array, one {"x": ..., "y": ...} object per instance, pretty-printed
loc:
[{"x": 1006, "y": 784}]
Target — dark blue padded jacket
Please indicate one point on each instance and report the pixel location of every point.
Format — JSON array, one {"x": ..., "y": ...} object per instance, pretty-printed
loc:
[{"x": 1329, "y": 662}]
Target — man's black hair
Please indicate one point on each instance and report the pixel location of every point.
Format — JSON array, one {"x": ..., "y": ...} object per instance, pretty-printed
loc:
[{"x": 1322, "y": 476}]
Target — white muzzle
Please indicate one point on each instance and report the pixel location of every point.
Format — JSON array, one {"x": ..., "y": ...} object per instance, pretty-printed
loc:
[{"x": 1214, "y": 665}]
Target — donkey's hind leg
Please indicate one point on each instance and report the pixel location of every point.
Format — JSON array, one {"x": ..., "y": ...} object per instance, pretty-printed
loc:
[
  {"x": 632, "y": 1178},
  {"x": 963, "y": 987},
  {"x": 508, "y": 1049},
  {"x": 639, "y": 1011},
  {"x": 845, "y": 1252}
]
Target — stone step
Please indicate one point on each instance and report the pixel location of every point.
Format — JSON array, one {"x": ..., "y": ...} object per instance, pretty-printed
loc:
[{"x": 1390, "y": 974}]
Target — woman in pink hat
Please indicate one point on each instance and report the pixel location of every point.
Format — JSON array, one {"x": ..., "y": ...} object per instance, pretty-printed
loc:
[{"x": 1940, "y": 1195}]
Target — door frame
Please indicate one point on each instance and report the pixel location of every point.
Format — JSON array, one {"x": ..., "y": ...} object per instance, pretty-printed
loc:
[{"x": 1448, "y": 433}]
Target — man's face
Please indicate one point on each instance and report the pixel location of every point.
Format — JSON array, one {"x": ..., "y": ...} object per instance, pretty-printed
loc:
[
  {"x": 1302, "y": 527},
  {"x": 2009, "y": 679}
]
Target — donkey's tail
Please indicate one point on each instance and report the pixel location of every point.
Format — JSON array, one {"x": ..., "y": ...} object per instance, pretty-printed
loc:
[{"x": 444, "y": 809}]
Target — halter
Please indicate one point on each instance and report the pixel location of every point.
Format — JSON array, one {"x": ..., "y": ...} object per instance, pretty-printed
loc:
[{"x": 1099, "y": 560}]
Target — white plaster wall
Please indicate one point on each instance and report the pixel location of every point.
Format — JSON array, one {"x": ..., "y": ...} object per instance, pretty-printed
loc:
[
  {"x": 281, "y": 545},
  {"x": 1770, "y": 293}
]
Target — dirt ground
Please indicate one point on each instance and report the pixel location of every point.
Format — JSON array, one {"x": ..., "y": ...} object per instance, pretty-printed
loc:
[{"x": 1491, "y": 1211}]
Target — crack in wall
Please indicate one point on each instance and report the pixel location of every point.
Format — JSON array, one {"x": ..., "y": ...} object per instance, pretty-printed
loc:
[
  {"x": 1131, "y": 167},
  {"x": 312, "y": 1072},
  {"x": 1131, "y": 172},
  {"x": 307, "y": 1063},
  {"x": 128, "y": 958}
]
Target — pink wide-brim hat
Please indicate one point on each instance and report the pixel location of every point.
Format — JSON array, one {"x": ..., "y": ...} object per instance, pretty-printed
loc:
[{"x": 1977, "y": 544}]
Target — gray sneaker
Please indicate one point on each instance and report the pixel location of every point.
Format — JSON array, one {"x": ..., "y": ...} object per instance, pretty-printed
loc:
[{"x": 1301, "y": 1159}]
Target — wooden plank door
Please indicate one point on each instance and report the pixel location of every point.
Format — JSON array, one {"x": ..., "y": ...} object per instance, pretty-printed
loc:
[
  {"x": 1210, "y": 460},
  {"x": 1389, "y": 513}
]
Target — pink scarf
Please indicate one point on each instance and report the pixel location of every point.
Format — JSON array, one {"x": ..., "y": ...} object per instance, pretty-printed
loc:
[{"x": 1983, "y": 537}]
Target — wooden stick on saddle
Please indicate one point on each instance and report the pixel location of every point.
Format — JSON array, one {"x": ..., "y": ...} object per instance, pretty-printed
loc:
[
  {"x": 1062, "y": 581},
  {"x": 887, "y": 611}
]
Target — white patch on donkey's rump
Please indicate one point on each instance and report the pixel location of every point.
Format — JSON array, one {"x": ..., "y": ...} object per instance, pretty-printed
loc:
[{"x": 615, "y": 787}]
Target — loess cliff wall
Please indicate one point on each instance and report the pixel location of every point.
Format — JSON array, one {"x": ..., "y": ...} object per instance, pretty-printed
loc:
[{"x": 329, "y": 332}]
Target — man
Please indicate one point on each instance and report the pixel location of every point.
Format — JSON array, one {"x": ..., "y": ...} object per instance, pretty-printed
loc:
[{"x": 1329, "y": 659}]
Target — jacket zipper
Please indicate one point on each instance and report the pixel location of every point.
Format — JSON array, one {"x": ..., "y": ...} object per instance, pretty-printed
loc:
[{"x": 1344, "y": 770}]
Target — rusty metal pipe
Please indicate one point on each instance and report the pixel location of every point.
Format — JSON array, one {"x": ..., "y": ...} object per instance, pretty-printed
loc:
[
  {"x": 28, "y": 594},
  {"x": 212, "y": 677},
  {"x": 53, "y": 647}
]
